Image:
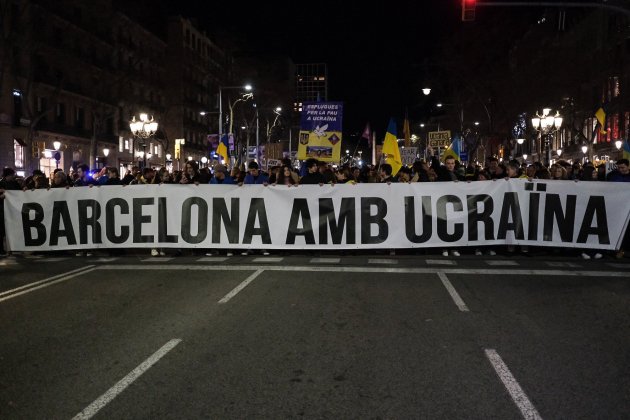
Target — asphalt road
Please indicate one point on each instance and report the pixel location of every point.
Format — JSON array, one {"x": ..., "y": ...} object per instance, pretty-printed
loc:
[{"x": 314, "y": 336}]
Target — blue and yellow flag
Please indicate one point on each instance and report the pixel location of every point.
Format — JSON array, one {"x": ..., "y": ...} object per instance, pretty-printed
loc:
[
  {"x": 223, "y": 148},
  {"x": 600, "y": 115},
  {"x": 626, "y": 150},
  {"x": 453, "y": 150},
  {"x": 390, "y": 148}
]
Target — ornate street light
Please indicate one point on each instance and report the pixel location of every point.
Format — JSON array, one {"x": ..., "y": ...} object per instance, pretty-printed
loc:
[
  {"x": 547, "y": 125},
  {"x": 426, "y": 91},
  {"x": 57, "y": 155},
  {"x": 144, "y": 127},
  {"x": 618, "y": 144}
]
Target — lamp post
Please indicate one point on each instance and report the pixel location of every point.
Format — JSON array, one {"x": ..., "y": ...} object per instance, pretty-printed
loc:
[
  {"x": 105, "y": 154},
  {"x": 619, "y": 145},
  {"x": 547, "y": 125},
  {"x": 143, "y": 128},
  {"x": 221, "y": 88},
  {"x": 278, "y": 111},
  {"x": 57, "y": 155}
]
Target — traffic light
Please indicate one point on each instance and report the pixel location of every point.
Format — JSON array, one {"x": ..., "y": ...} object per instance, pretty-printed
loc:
[{"x": 468, "y": 10}]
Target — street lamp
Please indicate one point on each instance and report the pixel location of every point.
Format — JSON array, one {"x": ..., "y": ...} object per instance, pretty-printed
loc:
[
  {"x": 143, "y": 128},
  {"x": 221, "y": 88},
  {"x": 618, "y": 144},
  {"x": 547, "y": 125},
  {"x": 426, "y": 91},
  {"x": 57, "y": 155}
]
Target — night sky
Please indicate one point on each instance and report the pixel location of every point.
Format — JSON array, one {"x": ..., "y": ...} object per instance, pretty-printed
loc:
[
  {"x": 375, "y": 53},
  {"x": 372, "y": 51}
]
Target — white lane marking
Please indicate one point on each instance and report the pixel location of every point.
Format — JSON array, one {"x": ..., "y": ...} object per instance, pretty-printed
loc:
[
  {"x": 325, "y": 260},
  {"x": 501, "y": 262},
  {"x": 53, "y": 259},
  {"x": 441, "y": 262},
  {"x": 157, "y": 259},
  {"x": 113, "y": 392},
  {"x": 618, "y": 265},
  {"x": 562, "y": 264},
  {"x": 212, "y": 259},
  {"x": 240, "y": 287},
  {"x": 451, "y": 291},
  {"x": 334, "y": 269},
  {"x": 106, "y": 259},
  {"x": 519, "y": 397},
  {"x": 382, "y": 261},
  {"x": 44, "y": 283},
  {"x": 268, "y": 259}
]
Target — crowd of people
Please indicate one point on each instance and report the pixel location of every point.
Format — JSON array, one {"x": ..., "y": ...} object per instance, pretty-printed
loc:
[{"x": 316, "y": 172}]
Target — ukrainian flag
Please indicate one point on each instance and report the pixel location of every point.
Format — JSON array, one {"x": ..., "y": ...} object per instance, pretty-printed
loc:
[
  {"x": 600, "y": 114},
  {"x": 223, "y": 148},
  {"x": 390, "y": 148},
  {"x": 626, "y": 150},
  {"x": 453, "y": 150}
]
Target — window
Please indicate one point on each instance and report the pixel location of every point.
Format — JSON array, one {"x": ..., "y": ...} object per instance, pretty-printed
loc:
[
  {"x": 42, "y": 107},
  {"x": 60, "y": 113},
  {"x": 79, "y": 117},
  {"x": 18, "y": 151}
]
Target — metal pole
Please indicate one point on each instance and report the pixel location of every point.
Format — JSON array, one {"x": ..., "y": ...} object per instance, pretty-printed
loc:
[
  {"x": 220, "y": 115},
  {"x": 257, "y": 134}
]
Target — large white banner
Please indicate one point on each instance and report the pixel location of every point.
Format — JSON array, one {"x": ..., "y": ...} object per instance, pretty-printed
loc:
[{"x": 540, "y": 213}]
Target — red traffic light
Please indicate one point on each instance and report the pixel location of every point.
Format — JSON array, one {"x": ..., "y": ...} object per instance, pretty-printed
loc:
[{"x": 468, "y": 10}]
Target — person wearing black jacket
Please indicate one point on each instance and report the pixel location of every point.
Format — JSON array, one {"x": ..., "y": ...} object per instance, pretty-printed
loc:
[
  {"x": 8, "y": 182},
  {"x": 313, "y": 176}
]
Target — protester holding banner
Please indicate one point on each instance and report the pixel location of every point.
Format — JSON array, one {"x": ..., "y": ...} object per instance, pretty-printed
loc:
[
  {"x": 285, "y": 177},
  {"x": 255, "y": 176},
  {"x": 221, "y": 177},
  {"x": 313, "y": 175},
  {"x": 621, "y": 174}
]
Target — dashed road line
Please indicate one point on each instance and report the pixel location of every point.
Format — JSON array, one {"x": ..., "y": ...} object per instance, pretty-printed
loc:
[
  {"x": 618, "y": 265},
  {"x": 501, "y": 263},
  {"x": 240, "y": 287},
  {"x": 519, "y": 397},
  {"x": 363, "y": 269},
  {"x": 451, "y": 291},
  {"x": 212, "y": 259},
  {"x": 441, "y": 262},
  {"x": 268, "y": 259},
  {"x": 382, "y": 261},
  {"x": 110, "y": 394},
  {"x": 106, "y": 259},
  {"x": 53, "y": 259},
  {"x": 562, "y": 264},
  {"x": 325, "y": 260},
  {"x": 158, "y": 259}
]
